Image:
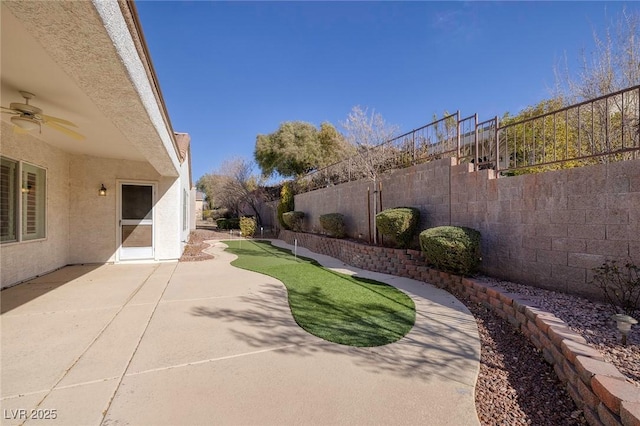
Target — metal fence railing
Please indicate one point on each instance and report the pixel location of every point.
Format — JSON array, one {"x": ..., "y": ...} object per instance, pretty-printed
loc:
[{"x": 599, "y": 130}]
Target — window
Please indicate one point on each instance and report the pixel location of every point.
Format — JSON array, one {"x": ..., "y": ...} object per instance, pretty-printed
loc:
[
  {"x": 8, "y": 210},
  {"x": 23, "y": 197}
]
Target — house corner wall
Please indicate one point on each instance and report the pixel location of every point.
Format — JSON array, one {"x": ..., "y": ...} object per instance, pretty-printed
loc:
[
  {"x": 196, "y": 213},
  {"x": 169, "y": 233}
]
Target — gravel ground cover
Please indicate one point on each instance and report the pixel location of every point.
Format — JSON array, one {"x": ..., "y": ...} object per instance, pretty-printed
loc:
[
  {"x": 590, "y": 319},
  {"x": 193, "y": 251},
  {"x": 515, "y": 385}
]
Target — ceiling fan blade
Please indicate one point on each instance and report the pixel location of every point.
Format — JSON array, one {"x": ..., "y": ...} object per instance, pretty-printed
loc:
[
  {"x": 75, "y": 135},
  {"x": 9, "y": 111},
  {"x": 48, "y": 119}
]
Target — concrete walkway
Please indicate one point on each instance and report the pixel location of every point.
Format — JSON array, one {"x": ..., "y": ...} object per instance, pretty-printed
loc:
[{"x": 207, "y": 343}]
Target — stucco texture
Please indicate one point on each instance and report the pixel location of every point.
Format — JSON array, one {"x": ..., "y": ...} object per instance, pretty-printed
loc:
[
  {"x": 24, "y": 260},
  {"x": 94, "y": 234}
]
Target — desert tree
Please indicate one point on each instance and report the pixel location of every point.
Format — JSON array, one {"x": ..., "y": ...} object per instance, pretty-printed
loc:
[
  {"x": 297, "y": 148},
  {"x": 367, "y": 133},
  {"x": 234, "y": 186},
  {"x": 613, "y": 64},
  {"x": 210, "y": 184}
]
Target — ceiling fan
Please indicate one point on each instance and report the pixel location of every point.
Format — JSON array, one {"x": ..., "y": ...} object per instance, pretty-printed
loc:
[{"x": 28, "y": 117}]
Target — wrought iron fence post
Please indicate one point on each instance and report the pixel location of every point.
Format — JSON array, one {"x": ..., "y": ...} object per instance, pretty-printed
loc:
[
  {"x": 476, "y": 155},
  {"x": 497, "y": 144},
  {"x": 458, "y": 137},
  {"x": 413, "y": 142}
]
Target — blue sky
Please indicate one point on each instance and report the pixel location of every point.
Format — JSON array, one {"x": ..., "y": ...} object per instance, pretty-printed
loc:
[{"x": 232, "y": 70}]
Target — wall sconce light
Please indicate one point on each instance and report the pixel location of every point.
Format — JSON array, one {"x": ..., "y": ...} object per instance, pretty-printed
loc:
[
  {"x": 102, "y": 191},
  {"x": 26, "y": 190}
]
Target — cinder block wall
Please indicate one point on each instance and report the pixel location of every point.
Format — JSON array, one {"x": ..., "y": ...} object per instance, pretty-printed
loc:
[{"x": 544, "y": 229}]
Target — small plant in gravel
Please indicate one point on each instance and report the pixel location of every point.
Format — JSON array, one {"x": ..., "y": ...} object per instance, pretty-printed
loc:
[
  {"x": 399, "y": 224},
  {"x": 293, "y": 220},
  {"x": 247, "y": 226},
  {"x": 334, "y": 224},
  {"x": 452, "y": 248},
  {"x": 620, "y": 285}
]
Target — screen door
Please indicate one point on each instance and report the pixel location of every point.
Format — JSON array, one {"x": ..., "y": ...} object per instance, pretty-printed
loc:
[{"x": 136, "y": 221}]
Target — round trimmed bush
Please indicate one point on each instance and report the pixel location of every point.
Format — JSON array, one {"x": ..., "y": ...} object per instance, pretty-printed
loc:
[
  {"x": 452, "y": 248},
  {"x": 334, "y": 224},
  {"x": 399, "y": 224},
  {"x": 287, "y": 203},
  {"x": 293, "y": 220},
  {"x": 282, "y": 209}
]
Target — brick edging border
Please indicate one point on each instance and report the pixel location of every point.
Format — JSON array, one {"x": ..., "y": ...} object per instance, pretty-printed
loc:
[{"x": 597, "y": 387}]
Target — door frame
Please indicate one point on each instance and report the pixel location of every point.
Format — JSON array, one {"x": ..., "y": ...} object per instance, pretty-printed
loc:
[{"x": 118, "y": 217}]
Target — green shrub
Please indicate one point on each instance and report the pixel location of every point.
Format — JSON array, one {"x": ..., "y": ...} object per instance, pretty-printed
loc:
[
  {"x": 287, "y": 203},
  {"x": 206, "y": 214},
  {"x": 224, "y": 224},
  {"x": 452, "y": 248},
  {"x": 334, "y": 224},
  {"x": 282, "y": 209},
  {"x": 398, "y": 224},
  {"x": 293, "y": 220},
  {"x": 247, "y": 226}
]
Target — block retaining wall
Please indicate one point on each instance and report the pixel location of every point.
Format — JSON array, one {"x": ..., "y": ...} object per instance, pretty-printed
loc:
[
  {"x": 547, "y": 230},
  {"x": 596, "y": 387}
]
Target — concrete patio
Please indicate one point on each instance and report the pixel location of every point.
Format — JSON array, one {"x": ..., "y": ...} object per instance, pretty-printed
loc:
[{"x": 207, "y": 343}]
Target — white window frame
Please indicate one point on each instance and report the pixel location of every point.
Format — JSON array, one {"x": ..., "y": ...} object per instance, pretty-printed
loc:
[{"x": 19, "y": 209}]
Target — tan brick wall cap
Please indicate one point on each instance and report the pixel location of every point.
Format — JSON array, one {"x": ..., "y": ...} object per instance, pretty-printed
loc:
[
  {"x": 589, "y": 367},
  {"x": 571, "y": 349},
  {"x": 547, "y": 320},
  {"x": 558, "y": 333},
  {"x": 612, "y": 391}
]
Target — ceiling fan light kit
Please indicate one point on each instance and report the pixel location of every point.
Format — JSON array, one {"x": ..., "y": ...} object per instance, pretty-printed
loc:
[{"x": 25, "y": 123}]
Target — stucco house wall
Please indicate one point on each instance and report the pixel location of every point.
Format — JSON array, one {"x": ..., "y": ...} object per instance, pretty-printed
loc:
[
  {"x": 186, "y": 197},
  {"x": 94, "y": 235},
  {"x": 23, "y": 260},
  {"x": 194, "y": 209},
  {"x": 100, "y": 78},
  {"x": 168, "y": 230}
]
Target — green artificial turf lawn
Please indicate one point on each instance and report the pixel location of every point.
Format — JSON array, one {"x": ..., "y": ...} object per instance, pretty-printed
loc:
[{"x": 333, "y": 306}]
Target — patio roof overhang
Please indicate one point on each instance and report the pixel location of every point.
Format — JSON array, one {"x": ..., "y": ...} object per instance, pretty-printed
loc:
[{"x": 87, "y": 62}]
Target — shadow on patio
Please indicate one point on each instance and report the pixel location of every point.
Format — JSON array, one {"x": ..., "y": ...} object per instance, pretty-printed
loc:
[
  {"x": 27, "y": 291},
  {"x": 442, "y": 344}
]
